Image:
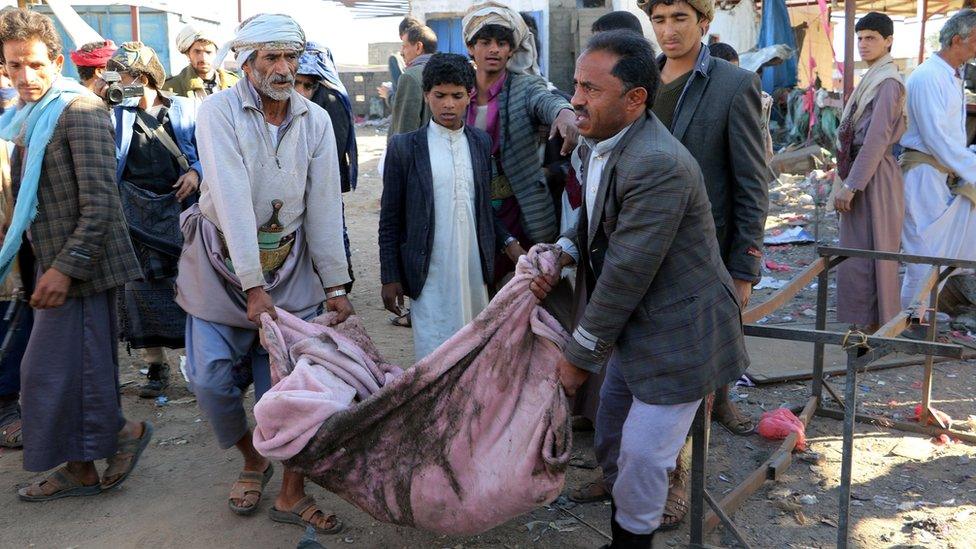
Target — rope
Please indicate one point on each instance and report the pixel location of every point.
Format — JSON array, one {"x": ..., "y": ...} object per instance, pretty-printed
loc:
[{"x": 855, "y": 338}]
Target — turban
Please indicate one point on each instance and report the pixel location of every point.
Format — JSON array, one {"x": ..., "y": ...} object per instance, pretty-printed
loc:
[
  {"x": 317, "y": 61},
  {"x": 705, "y": 7},
  {"x": 877, "y": 22},
  {"x": 524, "y": 60},
  {"x": 190, "y": 35},
  {"x": 266, "y": 31},
  {"x": 136, "y": 56},
  {"x": 97, "y": 57}
]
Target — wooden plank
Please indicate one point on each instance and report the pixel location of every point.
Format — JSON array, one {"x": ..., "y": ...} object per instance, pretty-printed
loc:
[
  {"x": 897, "y": 325},
  {"x": 771, "y": 468},
  {"x": 911, "y": 427},
  {"x": 784, "y": 294}
]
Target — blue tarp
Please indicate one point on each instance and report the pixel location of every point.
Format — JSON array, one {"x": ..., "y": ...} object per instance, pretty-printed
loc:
[{"x": 777, "y": 29}]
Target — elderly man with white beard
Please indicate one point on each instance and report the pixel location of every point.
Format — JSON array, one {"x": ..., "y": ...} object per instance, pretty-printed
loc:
[{"x": 267, "y": 233}]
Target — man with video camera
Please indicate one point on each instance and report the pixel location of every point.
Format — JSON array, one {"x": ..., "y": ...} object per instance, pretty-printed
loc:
[{"x": 158, "y": 175}]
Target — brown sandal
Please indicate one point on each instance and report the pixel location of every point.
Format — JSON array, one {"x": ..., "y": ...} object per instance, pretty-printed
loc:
[
  {"x": 249, "y": 482},
  {"x": 10, "y": 435},
  {"x": 674, "y": 510},
  {"x": 733, "y": 419},
  {"x": 676, "y": 506},
  {"x": 595, "y": 490},
  {"x": 65, "y": 484},
  {"x": 126, "y": 457},
  {"x": 302, "y": 514}
]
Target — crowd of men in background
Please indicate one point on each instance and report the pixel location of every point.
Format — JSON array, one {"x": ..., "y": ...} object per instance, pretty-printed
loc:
[{"x": 176, "y": 212}]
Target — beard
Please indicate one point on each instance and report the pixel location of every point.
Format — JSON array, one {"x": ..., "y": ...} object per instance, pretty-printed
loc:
[{"x": 266, "y": 82}]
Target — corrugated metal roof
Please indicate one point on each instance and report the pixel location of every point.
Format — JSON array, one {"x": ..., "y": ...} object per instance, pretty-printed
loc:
[
  {"x": 902, "y": 8},
  {"x": 377, "y": 8}
]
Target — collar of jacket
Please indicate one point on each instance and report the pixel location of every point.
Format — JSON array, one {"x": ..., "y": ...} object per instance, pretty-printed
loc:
[
  {"x": 702, "y": 65},
  {"x": 251, "y": 100}
]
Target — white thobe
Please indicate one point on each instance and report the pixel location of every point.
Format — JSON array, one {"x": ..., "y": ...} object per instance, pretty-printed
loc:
[
  {"x": 454, "y": 291},
  {"x": 937, "y": 223}
]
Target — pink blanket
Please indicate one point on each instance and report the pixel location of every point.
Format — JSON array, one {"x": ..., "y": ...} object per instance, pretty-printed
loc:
[
  {"x": 317, "y": 371},
  {"x": 473, "y": 435}
]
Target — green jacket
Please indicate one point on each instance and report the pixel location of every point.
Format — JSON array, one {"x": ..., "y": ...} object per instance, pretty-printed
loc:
[
  {"x": 186, "y": 83},
  {"x": 410, "y": 111}
]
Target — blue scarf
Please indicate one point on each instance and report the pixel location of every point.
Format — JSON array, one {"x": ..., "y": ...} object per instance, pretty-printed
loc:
[
  {"x": 317, "y": 61},
  {"x": 32, "y": 125}
]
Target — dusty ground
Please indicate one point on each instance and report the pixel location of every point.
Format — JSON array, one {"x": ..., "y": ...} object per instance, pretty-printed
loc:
[{"x": 176, "y": 498}]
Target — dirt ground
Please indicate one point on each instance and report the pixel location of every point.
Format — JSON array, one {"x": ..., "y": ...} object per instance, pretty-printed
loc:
[{"x": 176, "y": 497}]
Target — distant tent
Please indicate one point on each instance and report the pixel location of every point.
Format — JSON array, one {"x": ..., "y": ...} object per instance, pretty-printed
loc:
[{"x": 777, "y": 29}]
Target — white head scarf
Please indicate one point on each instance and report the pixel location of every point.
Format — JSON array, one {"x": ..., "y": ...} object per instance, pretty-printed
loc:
[
  {"x": 190, "y": 34},
  {"x": 266, "y": 31},
  {"x": 525, "y": 59}
]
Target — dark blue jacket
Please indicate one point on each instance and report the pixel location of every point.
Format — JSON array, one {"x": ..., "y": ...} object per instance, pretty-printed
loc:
[{"x": 406, "y": 232}]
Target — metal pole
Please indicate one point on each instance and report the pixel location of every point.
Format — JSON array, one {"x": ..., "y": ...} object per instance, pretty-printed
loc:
[
  {"x": 818, "y": 348},
  {"x": 922, "y": 13},
  {"x": 134, "y": 13},
  {"x": 699, "y": 456},
  {"x": 929, "y": 359},
  {"x": 850, "y": 409},
  {"x": 850, "y": 8}
]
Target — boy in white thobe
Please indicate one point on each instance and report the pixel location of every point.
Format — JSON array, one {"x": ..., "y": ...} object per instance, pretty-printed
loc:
[{"x": 438, "y": 232}]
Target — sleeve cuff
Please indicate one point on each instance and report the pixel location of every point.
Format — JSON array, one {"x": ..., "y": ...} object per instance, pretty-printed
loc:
[
  {"x": 251, "y": 279},
  {"x": 568, "y": 247}
]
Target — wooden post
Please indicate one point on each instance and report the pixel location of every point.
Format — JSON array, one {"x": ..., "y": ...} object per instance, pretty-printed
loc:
[
  {"x": 922, "y": 12},
  {"x": 134, "y": 12},
  {"x": 22, "y": 4},
  {"x": 850, "y": 8}
]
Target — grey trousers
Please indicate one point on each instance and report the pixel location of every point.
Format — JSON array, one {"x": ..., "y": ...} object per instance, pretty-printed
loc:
[
  {"x": 212, "y": 352},
  {"x": 637, "y": 445}
]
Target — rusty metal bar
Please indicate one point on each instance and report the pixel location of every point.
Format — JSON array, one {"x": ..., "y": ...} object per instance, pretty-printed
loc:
[
  {"x": 847, "y": 459},
  {"x": 837, "y": 338},
  {"x": 904, "y": 258}
]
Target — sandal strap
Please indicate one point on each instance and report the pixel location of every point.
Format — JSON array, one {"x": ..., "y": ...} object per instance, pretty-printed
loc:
[
  {"x": 62, "y": 479},
  {"x": 247, "y": 481},
  {"x": 306, "y": 508}
]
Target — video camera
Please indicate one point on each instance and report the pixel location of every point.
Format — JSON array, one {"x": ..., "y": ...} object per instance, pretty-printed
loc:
[{"x": 115, "y": 93}]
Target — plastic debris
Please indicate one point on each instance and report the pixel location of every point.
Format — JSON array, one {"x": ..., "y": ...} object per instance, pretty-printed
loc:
[
  {"x": 942, "y": 416},
  {"x": 778, "y": 267},
  {"x": 808, "y": 499},
  {"x": 793, "y": 235},
  {"x": 942, "y": 440},
  {"x": 768, "y": 282},
  {"x": 162, "y": 400},
  {"x": 779, "y": 423}
]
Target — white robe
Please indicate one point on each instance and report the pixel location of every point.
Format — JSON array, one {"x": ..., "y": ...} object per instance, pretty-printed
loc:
[
  {"x": 937, "y": 223},
  {"x": 454, "y": 291}
]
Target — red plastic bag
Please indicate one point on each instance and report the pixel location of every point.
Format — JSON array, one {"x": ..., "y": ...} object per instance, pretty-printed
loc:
[{"x": 779, "y": 423}]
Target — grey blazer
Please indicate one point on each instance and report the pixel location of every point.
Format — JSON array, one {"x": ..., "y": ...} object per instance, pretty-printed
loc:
[
  {"x": 659, "y": 295},
  {"x": 525, "y": 103},
  {"x": 718, "y": 120}
]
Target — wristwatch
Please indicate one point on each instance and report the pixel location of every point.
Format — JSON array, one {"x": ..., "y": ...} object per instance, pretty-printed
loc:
[
  {"x": 508, "y": 242},
  {"x": 335, "y": 293}
]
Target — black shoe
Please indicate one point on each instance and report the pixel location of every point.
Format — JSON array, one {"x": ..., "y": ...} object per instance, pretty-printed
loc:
[
  {"x": 624, "y": 539},
  {"x": 158, "y": 381}
]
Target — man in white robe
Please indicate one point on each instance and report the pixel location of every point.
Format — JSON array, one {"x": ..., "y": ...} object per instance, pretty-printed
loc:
[
  {"x": 438, "y": 232},
  {"x": 937, "y": 221}
]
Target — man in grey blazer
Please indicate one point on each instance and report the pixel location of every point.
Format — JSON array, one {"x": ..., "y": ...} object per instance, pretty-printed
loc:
[
  {"x": 714, "y": 109},
  {"x": 661, "y": 313}
]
